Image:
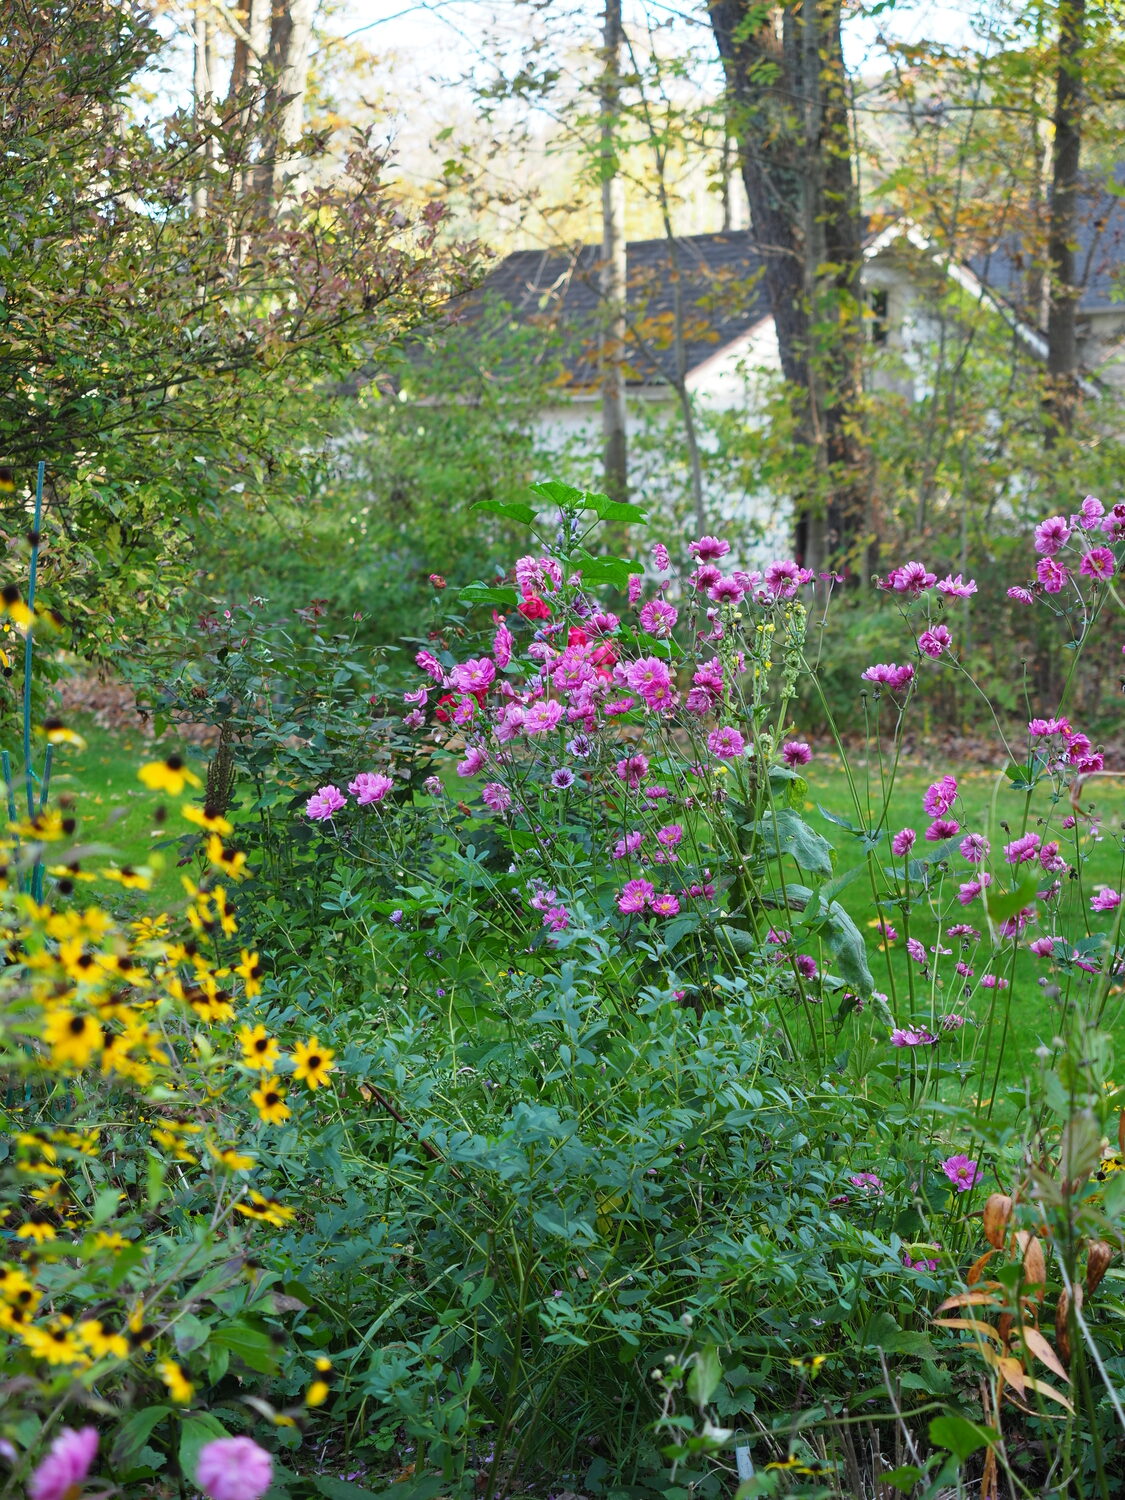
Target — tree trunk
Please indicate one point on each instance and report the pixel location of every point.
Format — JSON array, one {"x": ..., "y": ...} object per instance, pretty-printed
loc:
[
  {"x": 789, "y": 112},
  {"x": 613, "y": 268},
  {"x": 286, "y": 75},
  {"x": 1062, "y": 334}
]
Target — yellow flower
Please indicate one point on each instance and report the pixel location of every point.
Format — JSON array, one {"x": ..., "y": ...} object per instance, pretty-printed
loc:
[
  {"x": 226, "y": 913},
  {"x": 259, "y": 1049},
  {"x": 231, "y": 861},
  {"x": 312, "y": 1063},
  {"x": 13, "y": 606},
  {"x": 56, "y": 1344},
  {"x": 317, "y": 1393},
  {"x": 270, "y": 1102},
  {"x": 170, "y": 775},
  {"x": 101, "y": 1340},
  {"x": 234, "y": 1161},
  {"x": 812, "y": 1362},
  {"x": 73, "y": 1039},
  {"x": 109, "y": 1240},
  {"x": 207, "y": 817},
  {"x": 180, "y": 1388},
  {"x": 58, "y": 734},
  {"x": 151, "y": 929},
  {"x": 266, "y": 1210},
  {"x": 251, "y": 971},
  {"x": 132, "y": 878},
  {"x": 17, "y": 1290}
]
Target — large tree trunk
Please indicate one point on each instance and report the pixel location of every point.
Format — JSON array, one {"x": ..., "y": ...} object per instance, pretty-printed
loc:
[
  {"x": 1062, "y": 335},
  {"x": 789, "y": 111},
  {"x": 613, "y": 267}
]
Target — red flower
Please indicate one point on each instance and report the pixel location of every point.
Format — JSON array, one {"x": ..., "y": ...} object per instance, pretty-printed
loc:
[
  {"x": 437, "y": 580},
  {"x": 533, "y": 608},
  {"x": 577, "y": 637},
  {"x": 441, "y": 712}
]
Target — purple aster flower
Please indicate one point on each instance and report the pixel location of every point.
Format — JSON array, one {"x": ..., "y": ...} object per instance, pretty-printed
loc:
[{"x": 324, "y": 803}]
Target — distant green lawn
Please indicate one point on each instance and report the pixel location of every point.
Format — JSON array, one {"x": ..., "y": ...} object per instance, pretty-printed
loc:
[{"x": 1037, "y": 1012}]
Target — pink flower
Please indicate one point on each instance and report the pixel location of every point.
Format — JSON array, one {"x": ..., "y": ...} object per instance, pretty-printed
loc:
[
  {"x": 635, "y": 895},
  {"x": 942, "y": 828},
  {"x": 1021, "y": 596},
  {"x": 993, "y": 982},
  {"x": 1051, "y": 535},
  {"x": 430, "y": 664},
  {"x": 1022, "y": 849},
  {"x": 633, "y": 769},
  {"x": 911, "y": 578},
  {"x": 324, "y": 802},
  {"x": 782, "y": 579},
  {"x": 961, "y": 1172},
  {"x": 955, "y": 588},
  {"x": 903, "y": 842},
  {"x": 1042, "y": 947},
  {"x": 975, "y": 847},
  {"x": 916, "y": 951},
  {"x": 370, "y": 786},
  {"x": 1090, "y": 513},
  {"x": 705, "y": 576},
  {"x": 952, "y": 1022},
  {"x": 1098, "y": 563},
  {"x": 234, "y": 1469},
  {"x": 670, "y": 835},
  {"x": 725, "y": 743},
  {"x": 496, "y": 797},
  {"x": 709, "y": 548},
  {"x": 556, "y": 919},
  {"x": 626, "y": 847},
  {"x": 934, "y": 641},
  {"x": 1051, "y": 575},
  {"x": 474, "y": 676},
  {"x": 660, "y": 557},
  {"x": 503, "y": 644},
  {"x": 805, "y": 966},
  {"x": 1105, "y": 900},
  {"x": 62, "y": 1473},
  {"x": 889, "y": 675},
  {"x": 912, "y": 1036},
  {"x": 796, "y": 753},
  {"x": 636, "y": 584},
  {"x": 940, "y": 796},
  {"x": 542, "y": 717},
  {"x": 867, "y": 1181},
  {"x": 726, "y": 591},
  {"x": 414, "y": 719},
  {"x": 969, "y": 890},
  {"x": 665, "y": 906},
  {"x": 658, "y": 618}
]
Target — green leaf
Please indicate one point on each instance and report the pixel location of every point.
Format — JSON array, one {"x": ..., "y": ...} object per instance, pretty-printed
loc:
[
  {"x": 480, "y": 593},
  {"x": 785, "y": 832},
  {"x": 904, "y": 1478},
  {"x": 788, "y": 785},
  {"x": 511, "y": 511},
  {"x": 960, "y": 1436},
  {"x": 341, "y": 1489},
  {"x": 134, "y": 1433},
  {"x": 558, "y": 493},
  {"x": 1005, "y": 904},
  {"x": 197, "y": 1430},
  {"x": 253, "y": 1346},
  {"x": 679, "y": 927},
  {"x": 835, "y": 818},
  {"x": 613, "y": 510},
  {"x": 846, "y": 942},
  {"x": 704, "y": 1376},
  {"x": 612, "y": 570}
]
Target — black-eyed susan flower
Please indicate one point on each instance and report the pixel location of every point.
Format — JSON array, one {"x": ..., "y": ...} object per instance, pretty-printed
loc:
[
  {"x": 259, "y": 1049},
  {"x": 101, "y": 1340},
  {"x": 57, "y": 1343},
  {"x": 251, "y": 971},
  {"x": 132, "y": 877},
  {"x": 312, "y": 1063},
  {"x": 180, "y": 1388},
  {"x": 171, "y": 1135},
  {"x": 231, "y": 1159},
  {"x": 109, "y": 1240},
  {"x": 269, "y": 1101},
  {"x": 207, "y": 817},
  {"x": 224, "y": 911},
  {"x": 232, "y": 862},
  {"x": 169, "y": 775},
  {"x": 320, "y": 1388},
  {"x": 58, "y": 734},
  {"x": 12, "y": 604},
  {"x": 17, "y": 1289},
  {"x": 265, "y": 1210},
  {"x": 73, "y": 1038},
  {"x": 809, "y": 1364}
]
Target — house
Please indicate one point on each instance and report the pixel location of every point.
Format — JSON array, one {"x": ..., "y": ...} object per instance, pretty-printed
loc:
[{"x": 698, "y": 320}]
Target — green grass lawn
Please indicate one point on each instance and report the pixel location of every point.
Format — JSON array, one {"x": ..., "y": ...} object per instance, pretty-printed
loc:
[{"x": 1037, "y": 1012}]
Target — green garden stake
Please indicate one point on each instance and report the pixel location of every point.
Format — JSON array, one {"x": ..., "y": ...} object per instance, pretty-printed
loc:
[
  {"x": 29, "y": 775},
  {"x": 6, "y": 767},
  {"x": 37, "y": 873}
]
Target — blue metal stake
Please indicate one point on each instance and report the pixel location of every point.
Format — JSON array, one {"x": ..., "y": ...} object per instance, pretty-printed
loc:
[{"x": 29, "y": 775}]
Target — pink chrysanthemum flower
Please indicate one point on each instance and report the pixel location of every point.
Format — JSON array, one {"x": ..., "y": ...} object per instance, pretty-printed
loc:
[
  {"x": 670, "y": 835},
  {"x": 942, "y": 828},
  {"x": 371, "y": 786},
  {"x": 1020, "y": 850},
  {"x": 1021, "y": 596},
  {"x": 234, "y": 1469},
  {"x": 1052, "y": 575},
  {"x": 912, "y": 578},
  {"x": 867, "y": 1182},
  {"x": 903, "y": 842},
  {"x": 961, "y": 1172},
  {"x": 636, "y": 587},
  {"x": 496, "y": 797},
  {"x": 543, "y": 716},
  {"x": 660, "y": 557},
  {"x": 1051, "y": 535},
  {"x": 474, "y": 676},
  {"x": 658, "y": 618},
  {"x": 556, "y": 919},
  {"x": 726, "y": 591},
  {"x": 916, "y": 951},
  {"x": 940, "y": 796},
  {"x": 633, "y": 769},
  {"x": 1105, "y": 900},
  {"x": 665, "y": 906},
  {"x": 975, "y": 848},
  {"x": 726, "y": 743},
  {"x": 430, "y": 665},
  {"x": 796, "y": 753},
  {"x": 912, "y": 1036},
  {"x": 325, "y": 802},
  {"x": 475, "y": 757},
  {"x": 709, "y": 548},
  {"x": 935, "y": 641},
  {"x": 956, "y": 588},
  {"x": 805, "y": 966},
  {"x": 503, "y": 644},
  {"x": 635, "y": 896},
  {"x": 1042, "y": 947},
  {"x": 62, "y": 1473},
  {"x": 1098, "y": 563}
]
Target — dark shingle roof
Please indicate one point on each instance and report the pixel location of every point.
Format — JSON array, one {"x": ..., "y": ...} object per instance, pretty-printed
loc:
[
  {"x": 1008, "y": 265},
  {"x": 722, "y": 293}
]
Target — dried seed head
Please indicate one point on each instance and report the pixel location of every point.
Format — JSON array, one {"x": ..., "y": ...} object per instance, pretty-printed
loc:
[
  {"x": 1098, "y": 1257},
  {"x": 1062, "y": 1326},
  {"x": 997, "y": 1212}
]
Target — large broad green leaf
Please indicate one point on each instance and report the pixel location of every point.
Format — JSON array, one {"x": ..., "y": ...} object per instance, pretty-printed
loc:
[
  {"x": 134, "y": 1433},
  {"x": 558, "y": 493},
  {"x": 511, "y": 511},
  {"x": 253, "y": 1346},
  {"x": 784, "y": 832},
  {"x": 196, "y": 1431},
  {"x": 481, "y": 593},
  {"x": 1004, "y": 904},
  {"x": 848, "y": 948},
  {"x": 960, "y": 1436},
  {"x": 705, "y": 1374},
  {"x": 612, "y": 570},
  {"x": 343, "y": 1489},
  {"x": 613, "y": 510},
  {"x": 789, "y": 785}
]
